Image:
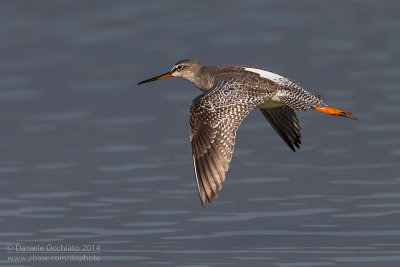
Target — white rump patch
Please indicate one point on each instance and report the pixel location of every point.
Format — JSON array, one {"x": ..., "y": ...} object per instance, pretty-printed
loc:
[{"x": 269, "y": 75}]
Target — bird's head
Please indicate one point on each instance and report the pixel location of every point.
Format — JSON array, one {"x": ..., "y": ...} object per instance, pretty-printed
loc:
[{"x": 186, "y": 69}]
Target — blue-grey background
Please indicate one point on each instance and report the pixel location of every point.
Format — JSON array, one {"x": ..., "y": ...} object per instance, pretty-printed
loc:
[{"x": 89, "y": 157}]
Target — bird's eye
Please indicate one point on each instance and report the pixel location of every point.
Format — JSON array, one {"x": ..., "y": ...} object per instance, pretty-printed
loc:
[{"x": 179, "y": 67}]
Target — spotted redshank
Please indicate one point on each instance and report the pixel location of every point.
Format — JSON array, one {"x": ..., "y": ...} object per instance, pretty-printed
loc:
[{"x": 230, "y": 93}]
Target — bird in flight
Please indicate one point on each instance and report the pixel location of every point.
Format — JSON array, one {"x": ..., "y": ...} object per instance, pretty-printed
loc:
[{"x": 230, "y": 92}]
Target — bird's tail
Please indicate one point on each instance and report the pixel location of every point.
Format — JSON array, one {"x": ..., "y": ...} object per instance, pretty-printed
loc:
[{"x": 335, "y": 112}]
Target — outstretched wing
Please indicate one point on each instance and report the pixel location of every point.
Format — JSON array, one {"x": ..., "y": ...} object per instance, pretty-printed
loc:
[
  {"x": 214, "y": 118},
  {"x": 284, "y": 121}
]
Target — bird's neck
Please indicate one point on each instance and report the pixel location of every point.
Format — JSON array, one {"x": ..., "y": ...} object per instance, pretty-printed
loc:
[{"x": 203, "y": 80}]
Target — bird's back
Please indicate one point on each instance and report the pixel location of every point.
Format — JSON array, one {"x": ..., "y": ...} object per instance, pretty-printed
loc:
[{"x": 236, "y": 74}]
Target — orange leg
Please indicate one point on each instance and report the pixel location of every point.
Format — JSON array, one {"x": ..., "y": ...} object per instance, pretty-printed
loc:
[{"x": 336, "y": 112}]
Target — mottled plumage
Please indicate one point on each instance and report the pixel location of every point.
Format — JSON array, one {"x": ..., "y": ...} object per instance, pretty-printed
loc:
[
  {"x": 230, "y": 93},
  {"x": 214, "y": 118}
]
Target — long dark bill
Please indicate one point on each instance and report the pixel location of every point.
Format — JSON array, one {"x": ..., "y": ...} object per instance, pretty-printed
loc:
[{"x": 165, "y": 75}]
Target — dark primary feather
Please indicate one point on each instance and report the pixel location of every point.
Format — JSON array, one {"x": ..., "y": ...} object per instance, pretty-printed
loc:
[
  {"x": 214, "y": 119},
  {"x": 284, "y": 121}
]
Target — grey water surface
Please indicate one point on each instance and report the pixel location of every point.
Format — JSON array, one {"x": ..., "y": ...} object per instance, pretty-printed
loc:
[{"x": 87, "y": 157}]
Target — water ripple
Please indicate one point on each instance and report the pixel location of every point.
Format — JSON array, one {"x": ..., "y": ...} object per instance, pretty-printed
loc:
[
  {"x": 306, "y": 264},
  {"x": 122, "y": 121},
  {"x": 164, "y": 212},
  {"x": 18, "y": 94},
  {"x": 11, "y": 169},
  {"x": 365, "y": 214},
  {"x": 367, "y": 182},
  {"x": 369, "y": 233},
  {"x": 60, "y": 116},
  {"x": 23, "y": 211},
  {"x": 260, "y": 180},
  {"x": 109, "y": 232},
  {"x": 121, "y": 200},
  {"x": 117, "y": 148},
  {"x": 129, "y": 167},
  {"x": 254, "y": 215},
  {"x": 149, "y": 224},
  {"x": 59, "y": 194},
  {"x": 54, "y": 166},
  {"x": 368, "y": 259}
]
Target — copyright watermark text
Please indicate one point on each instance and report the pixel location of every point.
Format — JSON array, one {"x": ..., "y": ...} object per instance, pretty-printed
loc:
[{"x": 50, "y": 252}]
